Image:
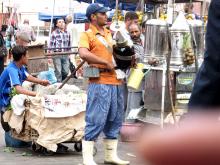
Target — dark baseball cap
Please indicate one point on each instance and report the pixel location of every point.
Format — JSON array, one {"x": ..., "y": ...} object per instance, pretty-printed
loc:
[{"x": 95, "y": 8}]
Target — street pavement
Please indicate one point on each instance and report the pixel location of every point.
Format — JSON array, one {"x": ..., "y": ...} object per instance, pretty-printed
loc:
[{"x": 28, "y": 157}]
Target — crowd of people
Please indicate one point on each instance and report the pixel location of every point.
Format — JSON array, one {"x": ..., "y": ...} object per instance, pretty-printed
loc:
[
  {"x": 95, "y": 47},
  {"x": 95, "y": 54}
]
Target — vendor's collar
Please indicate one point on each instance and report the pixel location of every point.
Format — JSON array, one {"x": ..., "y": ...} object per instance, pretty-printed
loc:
[{"x": 96, "y": 31}]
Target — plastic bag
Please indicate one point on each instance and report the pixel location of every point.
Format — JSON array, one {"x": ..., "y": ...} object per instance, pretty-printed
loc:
[{"x": 48, "y": 75}]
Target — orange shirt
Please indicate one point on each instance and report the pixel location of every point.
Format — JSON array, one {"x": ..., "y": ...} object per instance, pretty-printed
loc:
[{"x": 89, "y": 40}]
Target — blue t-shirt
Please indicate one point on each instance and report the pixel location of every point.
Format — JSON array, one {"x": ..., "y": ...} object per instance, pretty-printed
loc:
[{"x": 10, "y": 77}]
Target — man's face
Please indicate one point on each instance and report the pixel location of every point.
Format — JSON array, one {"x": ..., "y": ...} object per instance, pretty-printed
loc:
[
  {"x": 25, "y": 59},
  {"x": 130, "y": 21},
  {"x": 134, "y": 32},
  {"x": 188, "y": 8},
  {"x": 60, "y": 24},
  {"x": 101, "y": 19}
]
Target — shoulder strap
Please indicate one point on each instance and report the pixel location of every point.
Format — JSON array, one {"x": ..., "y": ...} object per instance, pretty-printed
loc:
[{"x": 104, "y": 42}]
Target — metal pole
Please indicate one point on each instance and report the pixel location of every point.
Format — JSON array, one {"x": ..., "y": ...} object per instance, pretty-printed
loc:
[
  {"x": 70, "y": 6},
  {"x": 163, "y": 95},
  {"x": 2, "y": 14},
  {"x": 203, "y": 7},
  {"x": 168, "y": 76},
  {"x": 38, "y": 29},
  {"x": 173, "y": 10},
  {"x": 116, "y": 8},
  {"x": 51, "y": 21}
]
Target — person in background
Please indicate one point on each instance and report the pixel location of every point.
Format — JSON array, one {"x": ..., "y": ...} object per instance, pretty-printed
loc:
[
  {"x": 130, "y": 18},
  {"x": 11, "y": 80},
  {"x": 135, "y": 96},
  {"x": 60, "y": 41},
  {"x": 188, "y": 9},
  {"x": 74, "y": 34},
  {"x": 22, "y": 38},
  {"x": 10, "y": 34},
  {"x": 25, "y": 27},
  {"x": 138, "y": 41},
  {"x": 105, "y": 105},
  {"x": 10, "y": 38},
  {"x": 3, "y": 53}
]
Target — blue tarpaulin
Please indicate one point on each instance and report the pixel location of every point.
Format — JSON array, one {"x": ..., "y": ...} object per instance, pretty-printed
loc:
[
  {"x": 47, "y": 16},
  {"x": 78, "y": 17},
  {"x": 128, "y": 5},
  {"x": 111, "y": 4}
]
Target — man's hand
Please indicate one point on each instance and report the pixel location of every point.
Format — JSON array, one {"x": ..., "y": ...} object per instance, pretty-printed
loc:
[
  {"x": 133, "y": 62},
  {"x": 109, "y": 66},
  {"x": 153, "y": 61},
  {"x": 44, "y": 82}
]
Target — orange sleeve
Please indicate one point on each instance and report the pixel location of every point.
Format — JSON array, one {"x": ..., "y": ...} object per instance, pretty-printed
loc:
[{"x": 84, "y": 41}]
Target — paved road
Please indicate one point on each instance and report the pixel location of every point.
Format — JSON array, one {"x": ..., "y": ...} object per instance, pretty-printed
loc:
[
  {"x": 71, "y": 158},
  {"x": 125, "y": 150}
]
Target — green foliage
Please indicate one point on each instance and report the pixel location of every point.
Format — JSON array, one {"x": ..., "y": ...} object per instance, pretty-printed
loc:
[
  {"x": 8, "y": 149},
  {"x": 11, "y": 94}
]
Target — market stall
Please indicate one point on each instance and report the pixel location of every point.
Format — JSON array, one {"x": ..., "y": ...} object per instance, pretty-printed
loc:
[{"x": 179, "y": 50}]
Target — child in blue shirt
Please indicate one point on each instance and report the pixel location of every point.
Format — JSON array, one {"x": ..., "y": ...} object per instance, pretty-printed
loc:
[{"x": 13, "y": 77}]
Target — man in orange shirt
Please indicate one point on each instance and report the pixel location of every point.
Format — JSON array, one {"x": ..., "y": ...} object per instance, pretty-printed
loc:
[{"x": 105, "y": 104}]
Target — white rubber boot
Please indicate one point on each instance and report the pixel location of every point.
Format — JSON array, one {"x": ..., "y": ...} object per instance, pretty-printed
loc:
[
  {"x": 87, "y": 152},
  {"x": 111, "y": 153}
]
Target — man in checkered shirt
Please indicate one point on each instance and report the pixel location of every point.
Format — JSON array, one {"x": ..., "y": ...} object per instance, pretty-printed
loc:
[{"x": 60, "y": 39}]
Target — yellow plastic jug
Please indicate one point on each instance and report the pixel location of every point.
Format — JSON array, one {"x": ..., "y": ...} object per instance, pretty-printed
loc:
[
  {"x": 135, "y": 78},
  {"x": 140, "y": 66}
]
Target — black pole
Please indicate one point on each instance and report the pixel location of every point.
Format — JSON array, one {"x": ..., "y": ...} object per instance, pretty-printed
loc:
[{"x": 72, "y": 73}]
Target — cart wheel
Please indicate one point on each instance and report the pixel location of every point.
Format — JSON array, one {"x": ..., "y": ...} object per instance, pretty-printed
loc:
[
  {"x": 95, "y": 151},
  {"x": 78, "y": 146},
  {"x": 34, "y": 147},
  {"x": 46, "y": 152},
  {"x": 41, "y": 150}
]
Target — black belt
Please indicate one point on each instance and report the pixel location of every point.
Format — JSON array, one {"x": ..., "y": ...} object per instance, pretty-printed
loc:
[{"x": 101, "y": 70}]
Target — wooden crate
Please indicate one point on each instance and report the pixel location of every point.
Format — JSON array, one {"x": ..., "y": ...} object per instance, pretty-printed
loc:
[
  {"x": 36, "y": 62},
  {"x": 37, "y": 65},
  {"x": 35, "y": 50}
]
